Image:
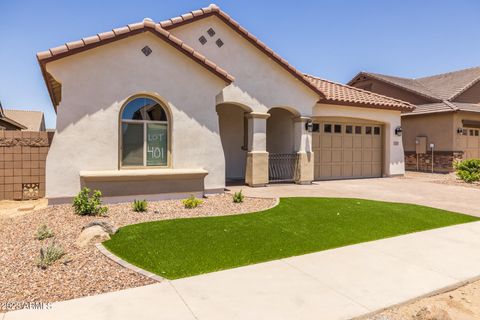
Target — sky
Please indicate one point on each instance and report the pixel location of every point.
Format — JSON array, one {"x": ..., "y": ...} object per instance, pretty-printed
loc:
[{"x": 332, "y": 39}]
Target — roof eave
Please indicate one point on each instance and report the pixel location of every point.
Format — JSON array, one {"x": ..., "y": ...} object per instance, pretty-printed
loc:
[{"x": 366, "y": 105}]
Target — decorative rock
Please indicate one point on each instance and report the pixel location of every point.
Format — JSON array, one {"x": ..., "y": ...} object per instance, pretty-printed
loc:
[
  {"x": 91, "y": 234},
  {"x": 107, "y": 227}
]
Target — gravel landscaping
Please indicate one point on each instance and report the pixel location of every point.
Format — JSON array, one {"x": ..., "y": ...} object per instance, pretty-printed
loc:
[
  {"x": 441, "y": 178},
  {"x": 85, "y": 271},
  {"x": 459, "y": 304}
]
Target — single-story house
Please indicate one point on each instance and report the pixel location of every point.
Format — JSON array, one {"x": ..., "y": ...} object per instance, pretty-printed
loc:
[
  {"x": 7, "y": 123},
  {"x": 186, "y": 105},
  {"x": 446, "y": 122}
]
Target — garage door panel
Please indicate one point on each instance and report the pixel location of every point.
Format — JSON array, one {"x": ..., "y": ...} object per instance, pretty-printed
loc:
[
  {"x": 355, "y": 152},
  {"x": 336, "y": 171},
  {"x": 367, "y": 142},
  {"x": 326, "y": 156},
  {"x": 366, "y": 155},
  {"x": 347, "y": 141},
  {"x": 357, "y": 141},
  {"x": 348, "y": 155},
  {"x": 347, "y": 170},
  {"x": 337, "y": 141},
  {"x": 326, "y": 141},
  {"x": 377, "y": 142},
  {"x": 337, "y": 156}
]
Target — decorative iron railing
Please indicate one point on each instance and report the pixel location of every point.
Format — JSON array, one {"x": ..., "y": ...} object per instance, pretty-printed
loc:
[{"x": 282, "y": 167}]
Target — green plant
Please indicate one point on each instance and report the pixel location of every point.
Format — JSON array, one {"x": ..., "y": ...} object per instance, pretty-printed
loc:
[
  {"x": 238, "y": 197},
  {"x": 86, "y": 203},
  {"x": 191, "y": 202},
  {"x": 468, "y": 170},
  {"x": 139, "y": 205},
  {"x": 43, "y": 233},
  {"x": 49, "y": 255}
]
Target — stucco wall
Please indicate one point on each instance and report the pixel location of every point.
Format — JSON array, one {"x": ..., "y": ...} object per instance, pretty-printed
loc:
[
  {"x": 280, "y": 134},
  {"x": 231, "y": 120},
  {"x": 391, "y": 91},
  {"x": 260, "y": 82},
  {"x": 95, "y": 84},
  {"x": 393, "y": 147},
  {"x": 438, "y": 128}
]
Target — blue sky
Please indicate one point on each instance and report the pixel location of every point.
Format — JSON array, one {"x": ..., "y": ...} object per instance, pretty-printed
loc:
[{"x": 333, "y": 39}]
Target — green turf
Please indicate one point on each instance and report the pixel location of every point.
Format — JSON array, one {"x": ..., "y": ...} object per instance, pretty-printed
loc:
[{"x": 185, "y": 247}]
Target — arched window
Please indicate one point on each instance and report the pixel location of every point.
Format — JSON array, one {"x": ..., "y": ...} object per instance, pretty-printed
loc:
[{"x": 144, "y": 133}]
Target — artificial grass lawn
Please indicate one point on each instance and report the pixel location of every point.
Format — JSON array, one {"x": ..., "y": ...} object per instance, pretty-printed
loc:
[{"x": 186, "y": 247}]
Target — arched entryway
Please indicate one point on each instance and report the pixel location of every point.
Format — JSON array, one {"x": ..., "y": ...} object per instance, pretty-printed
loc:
[
  {"x": 281, "y": 144},
  {"x": 233, "y": 134}
]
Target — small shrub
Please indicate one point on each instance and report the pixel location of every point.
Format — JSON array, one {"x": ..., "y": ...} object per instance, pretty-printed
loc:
[
  {"x": 86, "y": 203},
  {"x": 238, "y": 197},
  {"x": 49, "y": 255},
  {"x": 468, "y": 170},
  {"x": 139, "y": 205},
  {"x": 43, "y": 233},
  {"x": 191, "y": 202}
]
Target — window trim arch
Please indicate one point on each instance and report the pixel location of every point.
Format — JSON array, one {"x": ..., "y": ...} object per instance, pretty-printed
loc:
[{"x": 162, "y": 102}]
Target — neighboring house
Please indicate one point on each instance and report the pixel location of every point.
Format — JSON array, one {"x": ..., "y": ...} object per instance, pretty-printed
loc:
[
  {"x": 166, "y": 109},
  {"x": 31, "y": 120},
  {"x": 7, "y": 123},
  {"x": 447, "y": 115}
]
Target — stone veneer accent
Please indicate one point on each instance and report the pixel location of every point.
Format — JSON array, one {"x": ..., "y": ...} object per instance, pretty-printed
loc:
[
  {"x": 22, "y": 164},
  {"x": 443, "y": 161}
]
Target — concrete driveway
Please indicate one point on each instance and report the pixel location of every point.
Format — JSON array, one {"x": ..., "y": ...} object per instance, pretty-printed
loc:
[{"x": 416, "y": 191}]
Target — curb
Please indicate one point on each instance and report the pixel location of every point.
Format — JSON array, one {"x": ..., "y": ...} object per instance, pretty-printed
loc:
[{"x": 127, "y": 265}]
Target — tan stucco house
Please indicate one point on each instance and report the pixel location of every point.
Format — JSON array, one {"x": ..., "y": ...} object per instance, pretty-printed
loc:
[
  {"x": 446, "y": 121},
  {"x": 188, "y": 104}
]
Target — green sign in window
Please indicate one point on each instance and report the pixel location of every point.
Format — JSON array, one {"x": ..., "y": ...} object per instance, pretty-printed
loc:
[{"x": 157, "y": 144}]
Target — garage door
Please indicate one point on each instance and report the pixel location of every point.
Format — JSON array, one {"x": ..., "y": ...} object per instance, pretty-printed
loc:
[
  {"x": 347, "y": 150},
  {"x": 472, "y": 143}
]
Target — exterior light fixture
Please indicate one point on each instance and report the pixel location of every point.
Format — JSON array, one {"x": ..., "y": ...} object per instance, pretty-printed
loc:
[
  {"x": 398, "y": 131},
  {"x": 309, "y": 126},
  {"x": 460, "y": 130}
]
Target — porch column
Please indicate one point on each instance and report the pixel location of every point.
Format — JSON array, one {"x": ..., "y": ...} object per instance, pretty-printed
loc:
[
  {"x": 256, "y": 173},
  {"x": 303, "y": 147}
]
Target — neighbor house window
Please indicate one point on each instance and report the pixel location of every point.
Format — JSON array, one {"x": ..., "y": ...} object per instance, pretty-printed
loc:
[{"x": 144, "y": 134}]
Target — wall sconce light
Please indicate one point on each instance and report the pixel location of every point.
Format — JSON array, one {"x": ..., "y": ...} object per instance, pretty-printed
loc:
[
  {"x": 460, "y": 130},
  {"x": 309, "y": 126},
  {"x": 398, "y": 131}
]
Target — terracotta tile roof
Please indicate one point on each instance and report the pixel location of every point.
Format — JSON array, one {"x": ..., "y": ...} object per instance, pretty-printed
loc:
[
  {"x": 341, "y": 93},
  {"x": 213, "y": 9},
  {"x": 31, "y": 120},
  {"x": 445, "y": 86},
  {"x": 74, "y": 47}
]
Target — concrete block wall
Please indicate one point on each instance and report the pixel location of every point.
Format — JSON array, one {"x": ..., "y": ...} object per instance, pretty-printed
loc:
[{"x": 22, "y": 164}]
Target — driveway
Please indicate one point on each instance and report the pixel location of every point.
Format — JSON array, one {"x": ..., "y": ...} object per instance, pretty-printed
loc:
[
  {"x": 335, "y": 284},
  {"x": 407, "y": 190}
]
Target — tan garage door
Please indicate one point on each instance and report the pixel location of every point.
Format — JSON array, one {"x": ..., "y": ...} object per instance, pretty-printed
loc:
[
  {"x": 347, "y": 150},
  {"x": 472, "y": 143}
]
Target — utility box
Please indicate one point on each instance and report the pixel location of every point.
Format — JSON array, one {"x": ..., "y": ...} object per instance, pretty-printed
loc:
[{"x": 421, "y": 145}]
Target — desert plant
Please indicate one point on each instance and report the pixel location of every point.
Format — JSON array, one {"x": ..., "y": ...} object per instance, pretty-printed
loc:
[
  {"x": 468, "y": 170},
  {"x": 87, "y": 203},
  {"x": 238, "y": 197},
  {"x": 43, "y": 233},
  {"x": 49, "y": 255},
  {"x": 191, "y": 202},
  {"x": 139, "y": 205}
]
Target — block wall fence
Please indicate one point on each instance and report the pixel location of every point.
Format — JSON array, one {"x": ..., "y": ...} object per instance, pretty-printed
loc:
[{"x": 22, "y": 164}]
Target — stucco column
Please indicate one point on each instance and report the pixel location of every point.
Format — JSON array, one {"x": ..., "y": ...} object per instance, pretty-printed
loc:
[
  {"x": 303, "y": 147},
  {"x": 256, "y": 173}
]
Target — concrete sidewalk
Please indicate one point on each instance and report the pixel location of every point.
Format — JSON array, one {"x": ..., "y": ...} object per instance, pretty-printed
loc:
[{"x": 335, "y": 284}]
